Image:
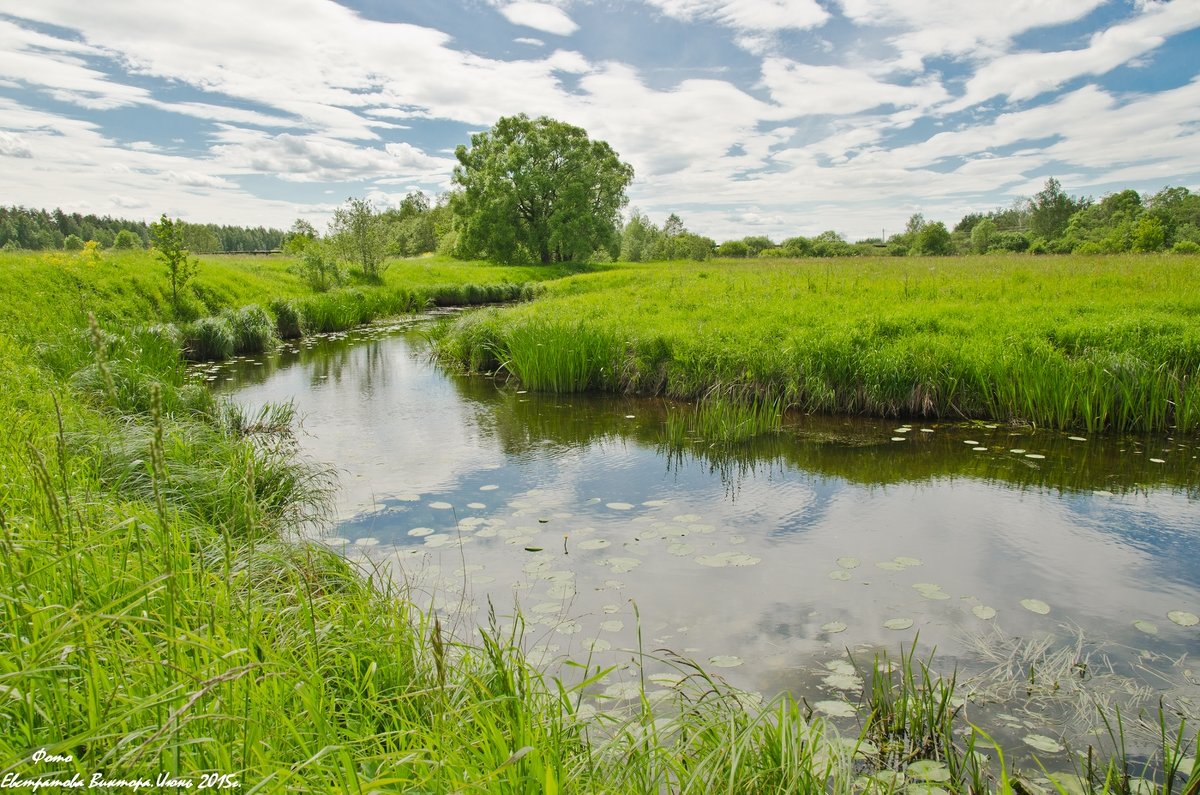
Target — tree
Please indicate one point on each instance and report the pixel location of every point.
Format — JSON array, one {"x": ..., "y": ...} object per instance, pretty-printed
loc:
[
  {"x": 932, "y": 240},
  {"x": 73, "y": 243},
  {"x": 984, "y": 235},
  {"x": 1051, "y": 209},
  {"x": 299, "y": 237},
  {"x": 126, "y": 239},
  {"x": 637, "y": 238},
  {"x": 168, "y": 241},
  {"x": 359, "y": 234},
  {"x": 537, "y": 189}
]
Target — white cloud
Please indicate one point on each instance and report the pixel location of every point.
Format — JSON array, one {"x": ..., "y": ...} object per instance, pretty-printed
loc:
[
  {"x": 13, "y": 146},
  {"x": 928, "y": 28},
  {"x": 803, "y": 89},
  {"x": 540, "y": 16},
  {"x": 748, "y": 15},
  {"x": 315, "y": 158},
  {"x": 1024, "y": 75},
  {"x": 530, "y": 41}
]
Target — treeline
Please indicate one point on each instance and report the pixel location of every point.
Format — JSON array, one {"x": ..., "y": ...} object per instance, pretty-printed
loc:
[
  {"x": 38, "y": 230},
  {"x": 1051, "y": 222}
]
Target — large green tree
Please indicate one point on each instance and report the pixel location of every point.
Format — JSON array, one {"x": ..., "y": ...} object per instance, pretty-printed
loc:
[{"x": 537, "y": 190}]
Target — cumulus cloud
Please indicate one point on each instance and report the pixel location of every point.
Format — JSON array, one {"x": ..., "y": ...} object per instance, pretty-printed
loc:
[
  {"x": 540, "y": 16},
  {"x": 310, "y": 92}
]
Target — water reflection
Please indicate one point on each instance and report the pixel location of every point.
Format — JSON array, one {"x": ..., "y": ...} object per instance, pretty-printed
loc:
[{"x": 777, "y": 552}]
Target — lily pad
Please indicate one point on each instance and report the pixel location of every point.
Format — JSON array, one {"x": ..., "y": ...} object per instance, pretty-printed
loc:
[
  {"x": 421, "y": 532},
  {"x": 622, "y": 565},
  {"x": 843, "y": 682},
  {"x": 440, "y": 506},
  {"x": 612, "y": 625},
  {"x": 836, "y": 709},
  {"x": 725, "y": 661},
  {"x": 927, "y": 770},
  {"x": 849, "y": 562},
  {"x": 984, "y": 612},
  {"x": 1042, "y": 743},
  {"x": 906, "y": 561},
  {"x": 1034, "y": 455},
  {"x": 594, "y": 543},
  {"x": 1035, "y": 606},
  {"x": 930, "y": 590},
  {"x": 833, "y": 627},
  {"x": 898, "y": 623},
  {"x": 839, "y": 574},
  {"x": 623, "y": 691},
  {"x": 1184, "y": 618},
  {"x": 889, "y": 565},
  {"x": 476, "y": 506},
  {"x": 619, "y": 506},
  {"x": 1146, "y": 626}
]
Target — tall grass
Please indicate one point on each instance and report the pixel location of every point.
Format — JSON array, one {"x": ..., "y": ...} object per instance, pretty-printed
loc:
[{"x": 1070, "y": 342}]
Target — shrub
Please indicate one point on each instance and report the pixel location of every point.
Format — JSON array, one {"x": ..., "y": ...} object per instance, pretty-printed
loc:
[
  {"x": 253, "y": 331},
  {"x": 289, "y": 323},
  {"x": 209, "y": 338},
  {"x": 1186, "y": 247},
  {"x": 127, "y": 239}
]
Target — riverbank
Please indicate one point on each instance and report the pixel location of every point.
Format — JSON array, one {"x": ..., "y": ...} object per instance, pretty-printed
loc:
[
  {"x": 157, "y": 619},
  {"x": 1093, "y": 343}
]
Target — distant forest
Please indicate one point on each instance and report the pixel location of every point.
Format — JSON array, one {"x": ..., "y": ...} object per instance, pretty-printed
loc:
[
  {"x": 1050, "y": 222},
  {"x": 37, "y": 230}
]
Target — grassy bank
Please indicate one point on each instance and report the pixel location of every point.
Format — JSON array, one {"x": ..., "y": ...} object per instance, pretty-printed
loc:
[
  {"x": 156, "y": 619},
  {"x": 1064, "y": 342}
]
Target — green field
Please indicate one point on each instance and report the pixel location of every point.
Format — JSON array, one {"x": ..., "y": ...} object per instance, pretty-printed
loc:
[
  {"x": 1066, "y": 342},
  {"x": 154, "y": 616}
]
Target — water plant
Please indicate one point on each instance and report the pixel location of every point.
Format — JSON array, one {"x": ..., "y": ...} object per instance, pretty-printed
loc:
[
  {"x": 253, "y": 331},
  {"x": 208, "y": 339}
]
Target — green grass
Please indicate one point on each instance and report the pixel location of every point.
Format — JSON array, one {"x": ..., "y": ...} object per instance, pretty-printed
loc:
[
  {"x": 156, "y": 614},
  {"x": 1065, "y": 342}
]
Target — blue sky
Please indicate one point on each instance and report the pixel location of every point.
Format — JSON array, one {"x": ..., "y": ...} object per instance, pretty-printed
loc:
[{"x": 777, "y": 117}]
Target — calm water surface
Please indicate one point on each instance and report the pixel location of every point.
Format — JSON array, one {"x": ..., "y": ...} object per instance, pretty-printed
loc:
[{"x": 762, "y": 564}]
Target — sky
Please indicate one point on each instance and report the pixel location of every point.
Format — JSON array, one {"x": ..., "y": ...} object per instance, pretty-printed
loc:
[{"x": 745, "y": 117}]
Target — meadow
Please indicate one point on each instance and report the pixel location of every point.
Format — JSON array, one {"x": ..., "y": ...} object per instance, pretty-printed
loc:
[
  {"x": 1095, "y": 343},
  {"x": 158, "y": 615}
]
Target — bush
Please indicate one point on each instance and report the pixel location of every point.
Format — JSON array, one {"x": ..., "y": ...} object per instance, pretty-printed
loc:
[
  {"x": 253, "y": 330},
  {"x": 1186, "y": 247},
  {"x": 127, "y": 240},
  {"x": 72, "y": 243},
  {"x": 318, "y": 268},
  {"x": 289, "y": 323},
  {"x": 207, "y": 339}
]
